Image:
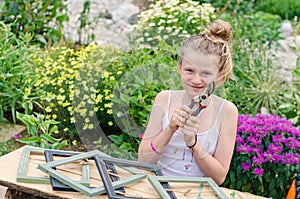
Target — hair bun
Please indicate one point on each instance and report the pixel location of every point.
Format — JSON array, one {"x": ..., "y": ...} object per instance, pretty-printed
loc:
[{"x": 220, "y": 29}]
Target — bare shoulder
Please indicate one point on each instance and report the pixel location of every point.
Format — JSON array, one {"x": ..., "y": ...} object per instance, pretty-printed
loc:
[
  {"x": 229, "y": 107},
  {"x": 163, "y": 96}
]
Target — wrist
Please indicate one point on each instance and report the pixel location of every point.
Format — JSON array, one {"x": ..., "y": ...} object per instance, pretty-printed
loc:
[{"x": 193, "y": 143}]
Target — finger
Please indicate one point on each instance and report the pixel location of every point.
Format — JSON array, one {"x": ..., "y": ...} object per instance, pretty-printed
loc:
[
  {"x": 192, "y": 129},
  {"x": 182, "y": 113},
  {"x": 192, "y": 122}
]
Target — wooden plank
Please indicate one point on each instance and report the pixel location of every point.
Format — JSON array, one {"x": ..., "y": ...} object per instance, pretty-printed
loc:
[
  {"x": 3, "y": 191},
  {"x": 9, "y": 164}
]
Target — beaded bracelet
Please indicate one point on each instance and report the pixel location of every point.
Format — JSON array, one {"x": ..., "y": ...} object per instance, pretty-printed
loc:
[{"x": 154, "y": 149}]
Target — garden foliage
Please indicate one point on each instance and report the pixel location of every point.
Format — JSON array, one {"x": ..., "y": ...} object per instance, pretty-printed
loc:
[
  {"x": 15, "y": 72},
  {"x": 266, "y": 156},
  {"x": 43, "y": 19}
]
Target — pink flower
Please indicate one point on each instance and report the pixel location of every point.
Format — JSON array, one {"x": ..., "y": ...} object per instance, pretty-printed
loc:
[
  {"x": 259, "y": 171},
  {"x": 246, "y": 166},
  {"x": 141, "y": 135},
  {"x": 16, "y": 136}
]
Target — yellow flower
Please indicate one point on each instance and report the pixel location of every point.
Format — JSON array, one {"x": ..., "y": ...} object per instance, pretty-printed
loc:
[
  {"x": 87, "y": 120},
  {"x": 112, "y": 78},
  {"x": 72, "y": 120},
  {"x": 91, "y": 126},
  {"x": 110, "y": 123},
  {"x": 66, "y": 129},
  {"x": 54, "y": 116},
  {"x": 109, "y": 111},
  {"x": 48, "y": 109},
  {"x": 105, "y": 74},
  {"x": 74, "y": 142}
]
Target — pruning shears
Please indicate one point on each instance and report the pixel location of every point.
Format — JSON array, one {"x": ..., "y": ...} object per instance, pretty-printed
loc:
[{"x": 201, "y": 98}]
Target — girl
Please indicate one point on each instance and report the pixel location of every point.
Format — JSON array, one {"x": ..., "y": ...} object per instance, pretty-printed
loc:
[{"x": 183, "y": 144}]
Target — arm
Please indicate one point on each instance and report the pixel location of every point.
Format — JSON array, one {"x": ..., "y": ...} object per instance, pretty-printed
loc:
[
  {"x": 217, "y": 166},
  {"x": 154, "y": 133}
]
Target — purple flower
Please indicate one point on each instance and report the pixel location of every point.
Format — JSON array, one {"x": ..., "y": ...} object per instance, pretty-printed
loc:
[
  {"x": 254, "y": 140},
  {"x": 292, "y": 143},
  {"x": 274, "y": 148},
  {"x": 145, "y": 70},
  {"x": 277, "y": 138},
  {"x": 16, "y": 136},
  {"x": 290, "y": 159},
  {"x": 259, "y": 159},
  {"x": 257, "y": 149},
  {"x": 259, "y": 171},
  {"x": 271, "y": 157},
  {"x": 244, "y": 148},
  {"x": 246, "y": 166},
  {"x": 239, "y": 139},
  {"x": 146, "y": 90}
]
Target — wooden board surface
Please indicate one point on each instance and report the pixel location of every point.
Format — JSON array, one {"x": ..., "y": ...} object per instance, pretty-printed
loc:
[{"x": 9, "y": 165}]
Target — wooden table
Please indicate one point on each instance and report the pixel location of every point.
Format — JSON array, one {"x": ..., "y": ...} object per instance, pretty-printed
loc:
[{"x": 9, "y": 165}]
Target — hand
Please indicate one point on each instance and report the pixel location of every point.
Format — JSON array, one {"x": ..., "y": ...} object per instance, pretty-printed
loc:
[
  {"x": 190, "y": 129},
  {"x": 179, "y": 117}
]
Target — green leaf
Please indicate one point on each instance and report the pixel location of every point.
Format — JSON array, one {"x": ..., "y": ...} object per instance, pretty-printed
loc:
[
  {"x": 60, "y": 145},
  {"x": 30, "y": 140},
  {"x": 126, "y": 146},
  {"x": 54, "y": 128},
  {"x": 116, "y": 139},
  {"x": 49, "y": 138}
]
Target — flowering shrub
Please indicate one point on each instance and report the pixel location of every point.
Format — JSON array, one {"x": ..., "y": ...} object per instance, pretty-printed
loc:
[
  {"x": 172, "y": 21},
  {"x": 266, "y": 156},
  {"x": 78, "y": 83}
]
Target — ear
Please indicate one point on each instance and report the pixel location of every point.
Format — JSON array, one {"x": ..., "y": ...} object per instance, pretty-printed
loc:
[{"x": 221, "y": 78}]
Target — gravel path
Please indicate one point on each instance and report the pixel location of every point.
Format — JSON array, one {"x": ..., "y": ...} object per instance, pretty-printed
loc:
[{"x": 111, "y": 28}]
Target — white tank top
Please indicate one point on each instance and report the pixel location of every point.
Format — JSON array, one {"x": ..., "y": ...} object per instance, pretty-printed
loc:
[{"x": 177, "y": 159}]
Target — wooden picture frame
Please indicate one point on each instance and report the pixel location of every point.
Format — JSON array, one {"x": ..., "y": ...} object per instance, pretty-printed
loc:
[
  {"x": 89, "y": 191},
  {"x": 56, "y": 184},
  {"x": 101, "y": 161},
  {"x": 157, "y": 181},
  {"x": 23, "y": 166}
]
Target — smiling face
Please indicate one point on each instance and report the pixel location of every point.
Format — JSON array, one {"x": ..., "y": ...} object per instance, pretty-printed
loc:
[{"x": 197, "y": 70}]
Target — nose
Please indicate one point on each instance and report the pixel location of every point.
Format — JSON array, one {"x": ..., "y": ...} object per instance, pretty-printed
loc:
[{"x": 198, "y": 79}]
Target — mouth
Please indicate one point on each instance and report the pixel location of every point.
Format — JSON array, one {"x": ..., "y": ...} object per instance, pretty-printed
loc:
[{"x": 197, "y": 87}]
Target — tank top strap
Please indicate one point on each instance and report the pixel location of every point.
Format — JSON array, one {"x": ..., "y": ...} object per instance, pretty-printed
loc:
[
  {"x": 220, "y": 110},
  {"x": 169, "y": 102}
]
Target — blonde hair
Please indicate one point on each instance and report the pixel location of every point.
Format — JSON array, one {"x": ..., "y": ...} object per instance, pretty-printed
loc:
[{"x": 213, "y": 41}]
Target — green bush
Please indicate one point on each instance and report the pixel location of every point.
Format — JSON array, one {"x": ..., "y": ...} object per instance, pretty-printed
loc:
[
  {"x": 236, "y": 6},
  {"x": 15, "y": 74},
  {"x": 258, "y": 26},
  {"x": 286, "y": 9},
  {"x": 43, "y": 19},
  {"x": 266, "y": 156},
  {"x": 257, "y": 78}
]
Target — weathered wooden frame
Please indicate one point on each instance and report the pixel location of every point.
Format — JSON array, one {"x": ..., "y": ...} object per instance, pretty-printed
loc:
[
  {"x": 101, "y": 161},
  {"x": 89, "y": 191},
  {"x": 23, "y": 166},
  {"x": 56, "y": 184},
  {"x": 156, "y": 182}
]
